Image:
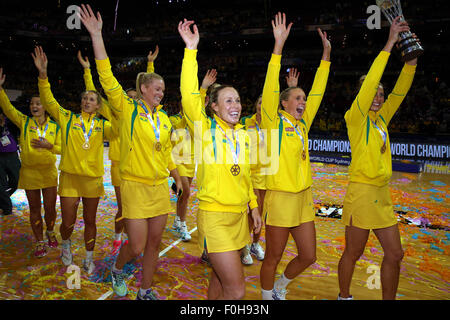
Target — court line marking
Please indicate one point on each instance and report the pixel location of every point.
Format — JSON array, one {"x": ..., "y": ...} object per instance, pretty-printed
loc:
[{"x": 163, "y": 252}]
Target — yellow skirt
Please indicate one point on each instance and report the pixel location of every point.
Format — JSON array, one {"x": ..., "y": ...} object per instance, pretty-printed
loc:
[
  {"x": 288, "y": 209},
  {"x": 72, "y": 185},
  {"x": 222, "y": 231},
  {"x": 258, "y": 181},
  {"x": 368, "y": 206},
  {"x": 186, "y": 170},
  {"x": 115, "y": 174},
  {"x": 38, "y": 178},
  {"x": 142, "y": 201}
]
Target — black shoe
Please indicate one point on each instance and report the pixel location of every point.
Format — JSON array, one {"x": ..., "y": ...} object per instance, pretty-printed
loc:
[{"x": 5, "y": 213}]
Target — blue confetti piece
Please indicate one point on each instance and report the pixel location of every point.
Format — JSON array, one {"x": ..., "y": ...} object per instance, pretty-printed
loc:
[{"x": 433, "y": 246}]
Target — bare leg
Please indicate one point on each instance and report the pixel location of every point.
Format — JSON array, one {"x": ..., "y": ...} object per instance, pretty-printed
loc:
[
  {"x": 69, "y": 207},
  {"x": 90, "y": 227},
  {"x": 355, "y": 242},
  {"x": 49, "y": 195},
  {"x": 137, "y": 238},
  {"x": 156, "y": 228},
  {"x": 305, "y": 238},
  {"x": 119, "y": 224},
  {"x": 34, "y": 202},
  {"x": 393, "y": 255},
  {"x": 230, "y": 276},
  {"x": 182, "y": 202},
  {"x": 276, "y": 239}
]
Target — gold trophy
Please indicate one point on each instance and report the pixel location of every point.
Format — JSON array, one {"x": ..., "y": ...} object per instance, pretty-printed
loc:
[{"x": 409, "y": 47}]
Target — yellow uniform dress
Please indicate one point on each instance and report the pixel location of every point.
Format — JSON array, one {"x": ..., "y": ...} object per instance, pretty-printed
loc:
[
  {"x": 144, "y": 164},
  {"x": 368, "y": 202},
  {"x": 288, "y": 201},
  {"x": 81, "y": 169},
  {"x": 183, "y": 146},
  {"x": 258, "y": 157},
  {"x": 114, "y": 142},
  {"x": 38, "y": 169},
  {"x": 224, "y": 183}
]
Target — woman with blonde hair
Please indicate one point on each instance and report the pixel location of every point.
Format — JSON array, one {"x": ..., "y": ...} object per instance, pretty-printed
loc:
[
  {"x": 145, "y": 162},
  {"x": 288, "y": 203},
  {"x": 81, "y": 163}
]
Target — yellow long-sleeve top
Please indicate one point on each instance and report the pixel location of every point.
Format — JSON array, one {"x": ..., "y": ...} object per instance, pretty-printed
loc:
[
  {"x": 33, "y": 157},
  {"x": 105, "y": 111},
  {"x": 290, "y": 173},
  {"x": 369, "y": 165},
  {"x": 259, "y": 160},
  {"x": 139, "y": 159},
  {"x": 75, "y": 159},
  {"x": 182, "y": 140},
  {"x": 219, "y": 189}
]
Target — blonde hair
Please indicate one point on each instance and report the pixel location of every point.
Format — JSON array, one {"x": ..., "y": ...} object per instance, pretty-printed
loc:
[
  {"x": 145, "y": 78},
  {"x": 99, "y": 98},
  {"x": 363, "y": 77},
  {"x": 284, "y": 95}
]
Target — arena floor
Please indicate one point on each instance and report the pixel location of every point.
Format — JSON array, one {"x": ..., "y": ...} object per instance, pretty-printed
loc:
[{"x": 419, "y": 199}]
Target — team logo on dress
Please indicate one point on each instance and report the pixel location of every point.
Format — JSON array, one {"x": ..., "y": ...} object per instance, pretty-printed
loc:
[{"x": 289, "y": 129}]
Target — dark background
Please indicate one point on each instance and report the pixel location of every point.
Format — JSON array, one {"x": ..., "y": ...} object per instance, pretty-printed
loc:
[{"x": 230, "y": 44}]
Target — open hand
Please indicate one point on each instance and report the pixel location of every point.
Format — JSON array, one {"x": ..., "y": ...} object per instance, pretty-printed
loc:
[
  {"x": 292, "y": 78},
  {"x": 152, "y": 55},
  {"x": 41, "y": 143},
  {"x": 40, "y": 60},
  {"x": 190, "y": 38},
  {"x": 2, "y": 78},
  {"x": 92, "y": 23},
  {"x": 209, "y": 79},
  {"x": 84, "y": 62}
]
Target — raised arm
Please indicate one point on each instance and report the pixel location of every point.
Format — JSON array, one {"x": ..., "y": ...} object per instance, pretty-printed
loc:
[
  {"x": 47, "y": 99},
  {"x": 152, "y": 55},
  {"x": 292, "y": 77},
  {"x": 315, "y": 96},
  {"x": 271, "y": 90},
  {"x": 113, "y": 90},
  {"x": 208, "y": 80},
  {"x": 190, "y": 95},
  {"x": 105, "y": 109},
  {"x": 400, "y": 90},
  {"x": 5, "y": 104},
  {"x": 361, "y": 105}
]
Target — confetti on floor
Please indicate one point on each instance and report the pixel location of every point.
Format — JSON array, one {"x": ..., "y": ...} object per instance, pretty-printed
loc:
[{"x": 421, "y": 202}]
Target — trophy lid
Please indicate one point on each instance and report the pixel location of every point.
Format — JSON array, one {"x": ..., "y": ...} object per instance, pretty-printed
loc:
[{"x": 385, "y": 4}]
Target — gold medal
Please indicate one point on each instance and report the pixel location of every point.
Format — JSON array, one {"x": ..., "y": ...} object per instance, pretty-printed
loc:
[
  {"x": 235, "y": 169},
  {"x": 383, "y": 148},
  {"x": 158, "y": 146},
  {"x": 304, "y": 155},
  {"x": 86, "y": 146}
]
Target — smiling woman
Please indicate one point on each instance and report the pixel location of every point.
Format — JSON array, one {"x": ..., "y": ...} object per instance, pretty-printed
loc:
[
  {"x": 223, "y": 215},
  {"x": 145, "y": 161},
  {"x": 288, "y": 203},
  {"x": 81, "y": 161},
  {"x": 40, "y": 140}
]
